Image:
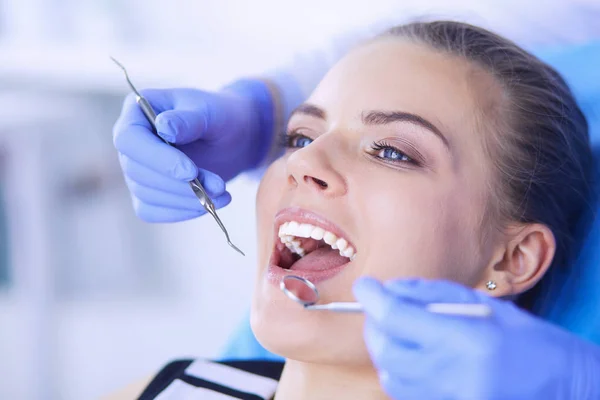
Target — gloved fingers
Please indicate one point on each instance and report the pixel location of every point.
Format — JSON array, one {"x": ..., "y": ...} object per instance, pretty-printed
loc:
[
  {"x": 156, "y": 214},
  {"x": 159, "y": 198},
  {"x": 460, "y": 330},
  {"x": 131, "y": 114},
  {"x": 142, "y": 175},
  {"x": 408, "y": 375},
  {"x": 150, "y": 213},
  {"x": 139, "y": 144},
  {"x": 401, "y": 319},
  {"x": 397, "y": 388},
  {"x": 136, "y": 172},
  {"x": 182, "y": 126},
  {"x": 433, "y": 291},
  {"x": 405, "y": 360},
  {"x": 212, "y": 182},
  {"x": 200, "y": 115}
]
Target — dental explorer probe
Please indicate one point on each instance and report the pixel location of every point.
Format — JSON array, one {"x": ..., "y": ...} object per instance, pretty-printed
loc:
[{"x": 195, "y": 184}]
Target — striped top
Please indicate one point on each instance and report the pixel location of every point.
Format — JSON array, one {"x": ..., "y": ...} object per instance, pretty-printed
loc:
[{"x": 210, "y": 380}]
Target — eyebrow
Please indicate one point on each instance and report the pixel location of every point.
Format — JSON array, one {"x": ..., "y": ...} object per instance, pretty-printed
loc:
[
  {"x": 376, "y": 118},
  {"x": 383, "y": 118},
  {"x": 309, "y": 109}
]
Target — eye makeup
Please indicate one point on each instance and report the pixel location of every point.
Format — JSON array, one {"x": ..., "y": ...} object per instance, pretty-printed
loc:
[
  {"x": 388, "y": 153},
  {"x": 394, "y": 150},
  {"x": 293, "y": 140}
]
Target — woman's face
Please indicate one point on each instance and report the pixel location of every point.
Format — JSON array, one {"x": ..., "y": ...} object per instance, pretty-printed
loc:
[{"x": 386, "y": 154}]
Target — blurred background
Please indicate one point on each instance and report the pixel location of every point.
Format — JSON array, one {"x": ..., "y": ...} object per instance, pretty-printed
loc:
[{"x": 91, "y": 298}]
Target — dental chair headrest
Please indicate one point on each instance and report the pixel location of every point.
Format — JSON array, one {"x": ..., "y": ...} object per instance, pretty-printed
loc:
[{"x": 574, "y": 292}]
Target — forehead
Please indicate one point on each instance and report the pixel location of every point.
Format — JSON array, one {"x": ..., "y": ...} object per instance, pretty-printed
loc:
[{"x": 394, "y": 74}]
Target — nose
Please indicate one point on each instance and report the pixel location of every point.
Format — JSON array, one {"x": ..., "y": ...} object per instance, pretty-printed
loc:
[{"x": 311, "y": 168}]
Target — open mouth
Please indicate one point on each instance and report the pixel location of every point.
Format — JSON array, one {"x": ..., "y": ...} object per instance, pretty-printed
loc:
[{"x": 305, "y": 246}]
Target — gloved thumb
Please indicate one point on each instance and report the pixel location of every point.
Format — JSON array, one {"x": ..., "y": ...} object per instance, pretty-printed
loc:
[
  {"x": 213, "y": 183},
  {"x": 369, "y": 290},
  {"x": 181, "y": 126},
  {"x": 414, "y": 290},
  {"x": 432, "y": 291}
]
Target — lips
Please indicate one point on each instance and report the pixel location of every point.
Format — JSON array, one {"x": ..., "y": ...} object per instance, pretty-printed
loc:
[{"x": 312, "y": 259}]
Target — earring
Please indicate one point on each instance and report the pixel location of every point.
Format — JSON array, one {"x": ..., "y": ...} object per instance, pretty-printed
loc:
[{"x": 491, "y": 285}]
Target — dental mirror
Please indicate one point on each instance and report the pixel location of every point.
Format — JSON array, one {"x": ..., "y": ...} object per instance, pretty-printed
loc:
[
  {"x": 299, "y": 289},
  {"x": 305, "y": 293}
]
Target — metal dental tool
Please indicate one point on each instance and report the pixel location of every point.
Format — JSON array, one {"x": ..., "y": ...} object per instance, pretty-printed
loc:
[
  {"x": 195, "y": 184},
  {"x": 304, "y": 292}
]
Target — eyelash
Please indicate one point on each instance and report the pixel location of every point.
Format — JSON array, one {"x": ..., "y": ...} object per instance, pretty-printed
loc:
[
  {"x": 380, "y": 146},
  {"x": 286, "y": 140}
]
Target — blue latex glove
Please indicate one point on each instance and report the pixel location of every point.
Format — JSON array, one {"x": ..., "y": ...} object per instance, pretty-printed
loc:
[
  {"x": 225, "y": 133},
  {"x": 512, "y": 355}
]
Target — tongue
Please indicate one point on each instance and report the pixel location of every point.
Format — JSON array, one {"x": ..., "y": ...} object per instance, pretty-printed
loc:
[{"x": 319, "y": 260}]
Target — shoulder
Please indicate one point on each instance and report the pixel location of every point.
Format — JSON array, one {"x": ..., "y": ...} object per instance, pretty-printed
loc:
[{"x": 249, "y": 379}]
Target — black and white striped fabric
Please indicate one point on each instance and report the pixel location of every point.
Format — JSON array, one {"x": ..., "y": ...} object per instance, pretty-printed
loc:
[{"x": 211, "y": 380}]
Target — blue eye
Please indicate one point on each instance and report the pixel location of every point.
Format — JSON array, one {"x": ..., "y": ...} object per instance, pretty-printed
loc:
[
  {"x": 389, "y": 153},
  {"x": 295, "y": 140},
  {"x": 300, "y": 141}
]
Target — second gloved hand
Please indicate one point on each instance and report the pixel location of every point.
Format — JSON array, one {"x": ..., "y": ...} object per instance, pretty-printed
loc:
[
  {"x": 511, "y": 355},
  {"x": 223, "y": 134}
]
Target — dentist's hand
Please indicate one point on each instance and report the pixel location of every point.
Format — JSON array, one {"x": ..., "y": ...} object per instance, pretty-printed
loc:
[
  {"x": 225, "y": 133},
  {"x": 511, "y": 355}
]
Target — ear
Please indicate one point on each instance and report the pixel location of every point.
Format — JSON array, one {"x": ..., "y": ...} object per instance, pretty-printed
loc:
[{"x": 522, "y": 261}]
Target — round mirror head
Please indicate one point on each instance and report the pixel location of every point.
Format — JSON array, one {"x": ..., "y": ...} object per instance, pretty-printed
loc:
[{"x": 299, "y": 289}]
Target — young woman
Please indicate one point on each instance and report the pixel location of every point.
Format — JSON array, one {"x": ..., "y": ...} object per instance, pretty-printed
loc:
[{"x": 435, "y": 153}]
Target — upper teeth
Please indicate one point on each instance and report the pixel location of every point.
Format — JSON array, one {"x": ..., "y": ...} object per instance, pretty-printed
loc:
[{"x": 288, "y": 231}]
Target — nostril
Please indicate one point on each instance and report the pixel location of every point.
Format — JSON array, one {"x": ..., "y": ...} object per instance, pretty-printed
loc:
[
  {"x": 321, "y": 183},
  {"x": 311, "y": 180}
]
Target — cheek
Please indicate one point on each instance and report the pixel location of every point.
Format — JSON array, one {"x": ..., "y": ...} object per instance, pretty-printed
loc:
[
  {"x": 268, "y": 201},
  {"x": 418, "y": 227}
]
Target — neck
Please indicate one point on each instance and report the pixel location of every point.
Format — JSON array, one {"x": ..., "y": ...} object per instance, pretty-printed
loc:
[{"x": 303, "y": 381}]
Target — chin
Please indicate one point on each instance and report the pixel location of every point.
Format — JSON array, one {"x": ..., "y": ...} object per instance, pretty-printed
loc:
[
  {"x": 300, "y": 242},
  {"x": 285, "y": 328}
]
